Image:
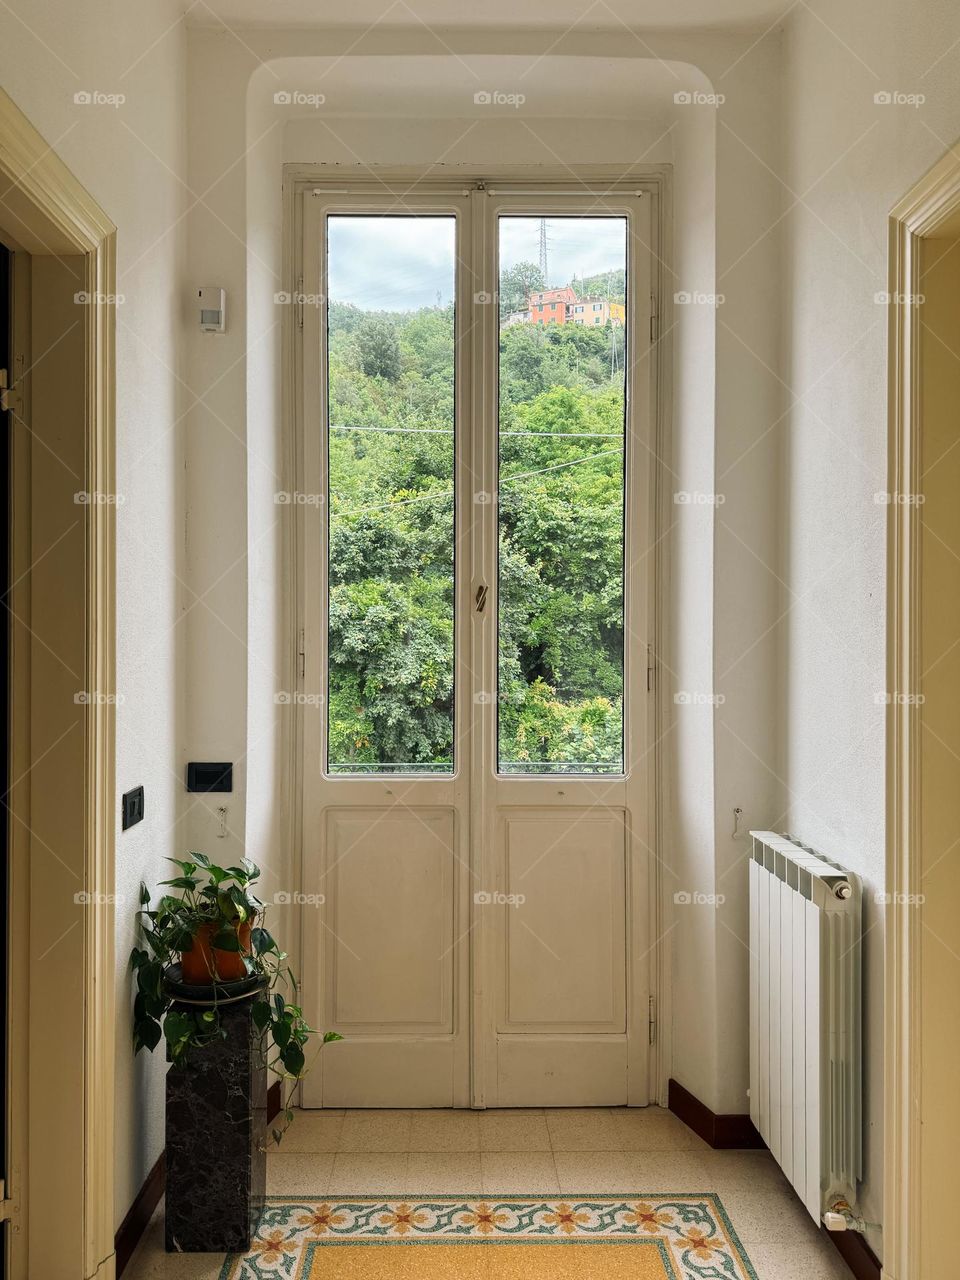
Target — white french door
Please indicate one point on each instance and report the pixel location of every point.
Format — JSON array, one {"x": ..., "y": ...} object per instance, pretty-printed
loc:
[{"x": 474, "y": 518}]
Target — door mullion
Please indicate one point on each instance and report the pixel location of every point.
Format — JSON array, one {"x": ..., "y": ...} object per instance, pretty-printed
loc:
[{"x": 483, "y": 694}]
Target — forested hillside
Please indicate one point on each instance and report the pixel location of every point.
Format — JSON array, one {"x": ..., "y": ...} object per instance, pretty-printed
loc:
[
  {"x": 607, "y": 284},
  {"x": 391, "y": 636}
]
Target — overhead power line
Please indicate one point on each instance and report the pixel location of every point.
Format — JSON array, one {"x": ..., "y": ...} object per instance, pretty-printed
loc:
[
  {"x": 448, "y": 431},
  {"x": 448, "y": 493}
]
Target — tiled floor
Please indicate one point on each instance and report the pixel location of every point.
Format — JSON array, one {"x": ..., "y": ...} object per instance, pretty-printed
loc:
[{"x": 336, "y": 1152}]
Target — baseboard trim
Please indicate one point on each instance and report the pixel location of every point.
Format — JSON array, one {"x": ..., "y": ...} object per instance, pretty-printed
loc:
[
  {"x": 139, "y": 1214},
  {"x": 274, "y": 1100},
  {"x": 725, "y": 1132},
  {"x": 738, "y": 1133},
  {"x": 856, "y": 1253}
]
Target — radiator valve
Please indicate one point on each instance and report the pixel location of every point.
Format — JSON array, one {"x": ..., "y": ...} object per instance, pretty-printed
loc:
[{"x": 841, "y": 1217}]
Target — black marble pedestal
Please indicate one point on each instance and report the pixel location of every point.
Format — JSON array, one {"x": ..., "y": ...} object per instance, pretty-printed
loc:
[{"x": 216, "y": 1140}]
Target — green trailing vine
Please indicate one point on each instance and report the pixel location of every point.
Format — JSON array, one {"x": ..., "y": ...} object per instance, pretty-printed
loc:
[{"x": 221, "y": 901}]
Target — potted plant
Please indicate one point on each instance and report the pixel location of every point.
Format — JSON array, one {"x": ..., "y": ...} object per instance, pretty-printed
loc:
[{"x": 206, "y": 942}]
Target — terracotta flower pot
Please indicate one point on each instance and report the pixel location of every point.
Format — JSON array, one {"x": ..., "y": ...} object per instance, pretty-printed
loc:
[{"x": 205, "y": 963}]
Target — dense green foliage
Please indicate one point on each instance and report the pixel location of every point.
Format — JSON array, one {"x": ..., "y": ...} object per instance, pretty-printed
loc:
[
  {"x": 391, "y": 632},
  {"x": 608, "y": 284}
]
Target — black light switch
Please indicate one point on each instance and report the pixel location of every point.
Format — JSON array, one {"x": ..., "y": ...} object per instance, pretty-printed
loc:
[
  {"x": 132, "y": 807},
  {"x": 202, "y": 775}
]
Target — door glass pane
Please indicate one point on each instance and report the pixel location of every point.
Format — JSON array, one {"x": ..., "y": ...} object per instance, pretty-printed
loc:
[
  {"x": 561, "y": 494},
  {"x": 390, "y": 449}
]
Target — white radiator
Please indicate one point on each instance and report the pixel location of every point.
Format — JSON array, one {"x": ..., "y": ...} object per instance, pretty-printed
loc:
[{"x": 805, "y": 1017}]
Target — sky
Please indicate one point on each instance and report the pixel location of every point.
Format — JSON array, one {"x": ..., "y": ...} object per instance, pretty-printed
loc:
[{"x": 400, "y": 263}]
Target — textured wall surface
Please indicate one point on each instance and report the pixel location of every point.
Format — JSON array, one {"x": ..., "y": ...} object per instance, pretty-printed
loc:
[{"x": 848, "y": 155}]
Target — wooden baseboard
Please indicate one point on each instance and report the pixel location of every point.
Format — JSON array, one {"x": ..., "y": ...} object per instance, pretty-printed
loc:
[
  {"x": 274, "y": 1100},
  {"x": 141, "y": 1211},
  {"x": 856, "y": 1253},
  {"x": 738, "y": 1133},
  {"x": 730, "y": 1132}
]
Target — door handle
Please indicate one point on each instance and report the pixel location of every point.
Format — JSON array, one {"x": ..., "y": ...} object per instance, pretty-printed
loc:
[{"x": 481, "y": 598}]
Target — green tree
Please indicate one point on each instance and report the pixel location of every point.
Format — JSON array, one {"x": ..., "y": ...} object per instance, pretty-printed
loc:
[
  {"x": 516, "y": 285},
  {"x": 391, "y": 512},
  {"x": 604, "y": 284},
  {"x": 379, "y": 348}
]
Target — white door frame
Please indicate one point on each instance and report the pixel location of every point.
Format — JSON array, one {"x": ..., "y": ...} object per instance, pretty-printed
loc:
[
  {"x": 404, "y": 184},
  {"x": 70, "y": 1118},
  {"x": 932, "y": 204}
]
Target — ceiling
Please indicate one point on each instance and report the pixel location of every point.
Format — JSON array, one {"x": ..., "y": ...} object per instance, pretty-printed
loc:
[{"x": 579, "y": 15}]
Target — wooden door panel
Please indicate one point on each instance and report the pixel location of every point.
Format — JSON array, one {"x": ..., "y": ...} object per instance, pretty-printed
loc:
[
  {"x": 391, "y": 884},
  {"x": 564, "y": 921}
]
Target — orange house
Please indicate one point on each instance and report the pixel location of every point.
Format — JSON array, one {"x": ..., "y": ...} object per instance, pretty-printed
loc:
[{"x": 549, "y": 306}]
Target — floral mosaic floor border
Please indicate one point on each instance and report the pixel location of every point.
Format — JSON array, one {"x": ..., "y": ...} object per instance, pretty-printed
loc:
[{"x": 695, "y": 1236}]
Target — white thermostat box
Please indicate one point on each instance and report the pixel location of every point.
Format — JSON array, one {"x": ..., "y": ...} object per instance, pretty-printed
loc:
[{"x": 213, "y": 313}]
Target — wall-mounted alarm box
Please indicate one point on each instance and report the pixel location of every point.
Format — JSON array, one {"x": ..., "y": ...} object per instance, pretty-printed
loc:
[{"x": 213, "y": 309}]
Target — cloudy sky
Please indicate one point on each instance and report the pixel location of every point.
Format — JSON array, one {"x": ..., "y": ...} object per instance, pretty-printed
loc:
[{"x": 399, "y": 263}]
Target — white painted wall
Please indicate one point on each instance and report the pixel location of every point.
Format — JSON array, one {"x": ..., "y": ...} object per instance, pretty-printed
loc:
[
  {"x": 845, "y": 161},
  {"x": 215, "y": 444},
  {"x": 723, "y": 586},
  {"x": 131, "y": 159}
]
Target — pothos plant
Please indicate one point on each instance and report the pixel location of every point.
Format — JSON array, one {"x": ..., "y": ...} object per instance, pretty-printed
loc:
[{"x": 215, "y": 910}]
